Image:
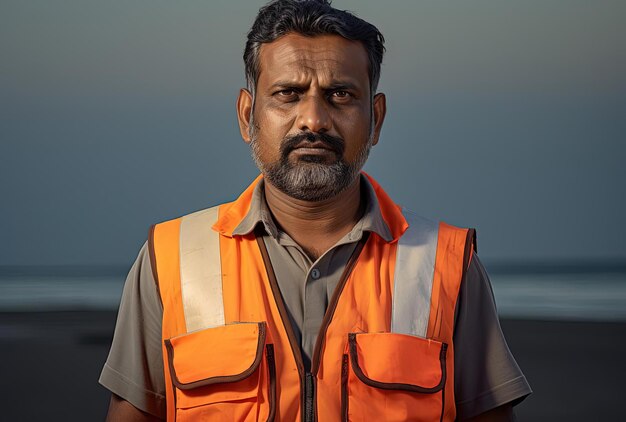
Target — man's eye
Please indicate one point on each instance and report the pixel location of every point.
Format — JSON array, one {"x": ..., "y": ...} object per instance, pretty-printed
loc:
[
  {"x": 286, "y": 93},
  {"x": 340, "y": 96}
]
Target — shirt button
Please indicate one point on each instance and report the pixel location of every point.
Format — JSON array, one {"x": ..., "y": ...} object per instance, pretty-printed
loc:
[{"x": 315, "y": 273}]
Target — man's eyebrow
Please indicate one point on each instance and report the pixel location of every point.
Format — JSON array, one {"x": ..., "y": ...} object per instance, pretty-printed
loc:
[
  {"x": 286, "y": 84},
  {"x": 333, "y": 86},
  {"x": 341, "y": 85}
]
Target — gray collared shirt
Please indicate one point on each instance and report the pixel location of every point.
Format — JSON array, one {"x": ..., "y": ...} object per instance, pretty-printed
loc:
[
  {"x": 486, "y": 374},
  {"x": 306, "y": 285}
]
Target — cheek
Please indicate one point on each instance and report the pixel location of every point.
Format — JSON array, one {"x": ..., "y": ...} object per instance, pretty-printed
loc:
[
  {"x": 269, "y": 138},
  {"x": 266, "y": 151},
  {"x": 356, "y": 133},
  {"x": 272, "y": 127},
  {"x": 274, "y": 124}
]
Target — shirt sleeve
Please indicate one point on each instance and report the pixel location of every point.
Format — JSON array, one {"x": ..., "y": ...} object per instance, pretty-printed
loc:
[
  {"x": 134, "y": 367},
  {"x": 485, "y": 373}
]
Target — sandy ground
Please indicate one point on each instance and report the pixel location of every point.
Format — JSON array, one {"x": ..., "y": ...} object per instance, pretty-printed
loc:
[{"x": 50, "y": 363}]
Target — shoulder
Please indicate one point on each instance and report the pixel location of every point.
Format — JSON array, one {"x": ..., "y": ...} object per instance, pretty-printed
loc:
[
  {"x": 192, "y": 215},
  {"x": 476, "y": 301},
  {"x": 416, "y": 223},
  {"x": 166, "y": 234}
]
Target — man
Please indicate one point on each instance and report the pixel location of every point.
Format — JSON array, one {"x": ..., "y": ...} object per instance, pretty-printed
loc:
[{"x": 312, "y": 296}]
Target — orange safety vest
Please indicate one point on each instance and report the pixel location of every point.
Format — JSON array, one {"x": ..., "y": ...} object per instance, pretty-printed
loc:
[{"x": 384, "y": 351}]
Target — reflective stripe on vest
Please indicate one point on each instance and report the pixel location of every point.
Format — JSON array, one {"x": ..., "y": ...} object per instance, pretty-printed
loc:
[
  {"x": 413, "y": 277},
  {"x": 201, "y": 270},
  {"x": 201, "y": 277}
]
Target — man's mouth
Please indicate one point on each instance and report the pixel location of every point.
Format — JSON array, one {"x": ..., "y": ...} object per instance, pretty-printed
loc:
[
  {"x": 309, "y": 144},
  {"x": 316, "y": 146}
]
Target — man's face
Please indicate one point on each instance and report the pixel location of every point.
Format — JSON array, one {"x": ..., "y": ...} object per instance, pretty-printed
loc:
[{"x": 312, "y": 125}]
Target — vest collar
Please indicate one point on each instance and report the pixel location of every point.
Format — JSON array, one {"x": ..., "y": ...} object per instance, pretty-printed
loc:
[{"x": 239, "y": 218}]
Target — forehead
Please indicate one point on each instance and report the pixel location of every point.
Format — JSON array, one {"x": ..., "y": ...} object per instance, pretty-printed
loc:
[{"x": 328, "y": 58}]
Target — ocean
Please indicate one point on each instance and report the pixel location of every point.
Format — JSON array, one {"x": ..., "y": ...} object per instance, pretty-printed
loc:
[{"x": 534, "y": 293}]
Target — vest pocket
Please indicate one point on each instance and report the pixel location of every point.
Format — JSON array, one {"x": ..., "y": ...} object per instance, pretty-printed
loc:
[
  {"x": 393, "y": 377},
  {"x": 224, "y": 373}
]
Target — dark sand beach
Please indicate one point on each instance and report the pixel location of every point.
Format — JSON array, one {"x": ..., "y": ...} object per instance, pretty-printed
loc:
[{"x": 50, "y": 363}]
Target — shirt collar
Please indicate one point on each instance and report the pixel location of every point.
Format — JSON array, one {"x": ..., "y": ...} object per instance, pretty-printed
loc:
[{"x": 371, "y": 221}]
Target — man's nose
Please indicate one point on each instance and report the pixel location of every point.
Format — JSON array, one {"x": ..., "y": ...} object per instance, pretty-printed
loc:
[{"x": 313, "y": 115}]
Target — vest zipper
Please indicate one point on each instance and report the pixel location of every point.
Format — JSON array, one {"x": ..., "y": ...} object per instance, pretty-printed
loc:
[
  {"x": 308, "y": 394},
  {"x": 330, "y": 312},
  {"x": 282, "y": 311},
  {"x": 309, "y": 398}
]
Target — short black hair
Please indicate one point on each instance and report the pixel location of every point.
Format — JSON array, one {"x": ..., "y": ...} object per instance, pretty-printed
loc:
[{"x": 310, "y": 18}]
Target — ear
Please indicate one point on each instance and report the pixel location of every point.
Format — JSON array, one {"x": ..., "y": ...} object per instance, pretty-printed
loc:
[
  {"x": 380, "y": 110},
  {"x": 244, "y": 113}
]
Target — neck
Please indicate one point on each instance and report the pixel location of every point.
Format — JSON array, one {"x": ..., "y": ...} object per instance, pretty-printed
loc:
[{"x": 316, "y": 226}]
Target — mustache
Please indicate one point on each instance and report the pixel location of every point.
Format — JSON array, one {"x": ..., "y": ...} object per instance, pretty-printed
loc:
[{"x": 331, "y": 142}]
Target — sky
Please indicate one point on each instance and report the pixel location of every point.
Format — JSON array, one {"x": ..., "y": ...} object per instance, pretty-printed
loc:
[{"x": 509, "y": 117}]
